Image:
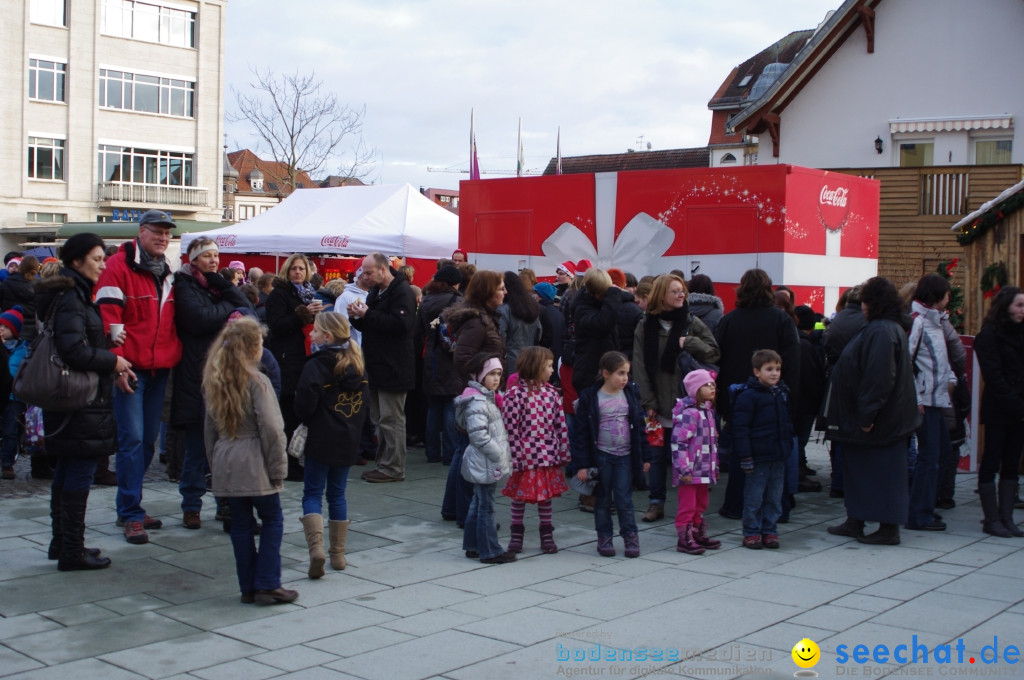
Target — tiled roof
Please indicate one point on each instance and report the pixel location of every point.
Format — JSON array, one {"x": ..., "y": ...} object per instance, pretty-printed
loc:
[
  {"x": 274, "y": 174},
  {"x": 633, "y": 160},
  {"x": 733, "y": 95},
  {"x": 719, "y": 121}
]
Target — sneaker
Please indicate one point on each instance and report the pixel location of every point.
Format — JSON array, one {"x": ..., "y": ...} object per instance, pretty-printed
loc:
[
  {"x": 378, "y": 477},
  {"x": 503, "y": 558},
  {"x": 8, "y": 472},
  {"x": 770, "y": 541},
  {"x": 135, "y": 533},
  {"x": 752, "y": 542},
  {"x": 192, "y": 520},
  {"x": 147, "y": 522}
]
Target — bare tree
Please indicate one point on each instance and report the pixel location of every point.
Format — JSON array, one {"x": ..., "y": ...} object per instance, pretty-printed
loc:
[{"x": 304, "y": 126}]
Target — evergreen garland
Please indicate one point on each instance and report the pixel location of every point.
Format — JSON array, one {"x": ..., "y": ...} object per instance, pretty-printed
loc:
[
  {"x": 991, "y": 218},
  {"x": 993, "y": 277}
]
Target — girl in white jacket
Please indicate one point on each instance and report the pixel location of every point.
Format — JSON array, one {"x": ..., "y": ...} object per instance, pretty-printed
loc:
[{"x": 487, "y": 460}]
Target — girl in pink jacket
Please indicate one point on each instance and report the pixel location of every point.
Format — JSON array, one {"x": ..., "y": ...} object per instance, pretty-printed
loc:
[
  {"x": 694, "y": 459},
  {"x": 539, "y": 440}
]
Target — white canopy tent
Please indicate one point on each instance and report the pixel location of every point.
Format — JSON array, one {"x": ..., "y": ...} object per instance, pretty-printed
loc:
[{"x": 396, "y": 220}]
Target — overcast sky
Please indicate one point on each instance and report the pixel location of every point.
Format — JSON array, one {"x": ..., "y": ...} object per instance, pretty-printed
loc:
[{"x": 608, "y": 72}]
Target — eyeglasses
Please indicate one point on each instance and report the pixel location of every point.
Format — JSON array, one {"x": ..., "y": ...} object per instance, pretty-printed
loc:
[{"x": 161, "y": 232}]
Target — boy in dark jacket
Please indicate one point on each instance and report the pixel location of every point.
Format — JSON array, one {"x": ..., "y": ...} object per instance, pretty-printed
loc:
[{"x": 763, "y": 437}]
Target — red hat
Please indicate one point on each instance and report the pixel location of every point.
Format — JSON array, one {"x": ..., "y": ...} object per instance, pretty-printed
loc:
[
  {"x": 582, "y": 266},
  {"x": 567, "y": 267}
]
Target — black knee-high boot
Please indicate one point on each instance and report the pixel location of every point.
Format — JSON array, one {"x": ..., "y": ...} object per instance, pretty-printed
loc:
[{"x": 74, "y": 556}]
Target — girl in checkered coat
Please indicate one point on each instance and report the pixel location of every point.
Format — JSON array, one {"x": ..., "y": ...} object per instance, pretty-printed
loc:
[
  {"x": 537, "y": 435},
  {"x": 694, "y": 460}
]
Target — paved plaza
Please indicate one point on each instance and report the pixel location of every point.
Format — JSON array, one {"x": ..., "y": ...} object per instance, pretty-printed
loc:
[{"x": 410, "y": 605}]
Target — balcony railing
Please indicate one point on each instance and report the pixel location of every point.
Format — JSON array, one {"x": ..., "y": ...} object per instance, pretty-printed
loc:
[
  {"x": 944, "y": 192},
  {"x": 123, "y": 192}
]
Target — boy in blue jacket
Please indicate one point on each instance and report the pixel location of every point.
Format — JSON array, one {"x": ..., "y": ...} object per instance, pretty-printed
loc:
[{"x": 763, "y": 437}]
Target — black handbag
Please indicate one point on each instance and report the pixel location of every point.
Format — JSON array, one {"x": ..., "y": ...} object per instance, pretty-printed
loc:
[{"x": 44, "y": 380}]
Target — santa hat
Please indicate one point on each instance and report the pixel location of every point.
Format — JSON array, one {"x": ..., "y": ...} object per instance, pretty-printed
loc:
[
  {"x": 695, "y": 380},
  {"x": 567, "y": 267},
  {"x": 582, "y": 266},
  {"x": 13, "y": 319}
]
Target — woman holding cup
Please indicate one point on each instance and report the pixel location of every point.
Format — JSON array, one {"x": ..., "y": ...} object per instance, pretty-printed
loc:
[
  {"x": 79, "y": 438},
  {"x": 291, "y": 306}
]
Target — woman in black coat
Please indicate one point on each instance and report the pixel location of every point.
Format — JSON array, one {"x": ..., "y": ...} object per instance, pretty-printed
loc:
[
  {"x": 872, "y": 410},
  {"x": 78, "y": 438},
  {"x": 595, "y": 313},
  {"x": 999, "y": 347},
  {"x": 440, "y": 384},
  {"x": 203, "y": 299},
  {"x": 755, "y": 324},
  {"x": 19, "y": 289},
  {"x": 291, "y": 307}
]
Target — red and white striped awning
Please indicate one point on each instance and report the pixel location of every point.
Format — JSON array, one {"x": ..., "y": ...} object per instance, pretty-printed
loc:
[{"x": 951, "y": 124}]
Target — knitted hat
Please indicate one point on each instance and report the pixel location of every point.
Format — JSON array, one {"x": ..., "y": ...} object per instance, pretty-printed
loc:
[
  {"x": 13, "y": 319},
  {"x": 567, "y": 267},
  {"x": 545, "y": 290},
  {"x": 450, "y": 275},
  {"x": 582, "y": 266},
  {"x": 237, "y": 264},
  {"x": 695, "y": 380},
  {"x": 806, "y": 317},
  {"x": 489, "y": 365}
]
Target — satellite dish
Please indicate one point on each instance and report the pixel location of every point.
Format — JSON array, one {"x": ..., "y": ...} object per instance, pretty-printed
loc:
[{"x": 648, "y": 146}]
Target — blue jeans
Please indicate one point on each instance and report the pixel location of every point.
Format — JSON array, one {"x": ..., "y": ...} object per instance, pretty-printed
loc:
[
  {"x": 657, "y": 477},
  {"x": 192, "y": 482},
  {"x": 762, "y": 498},
  {"x": 615, "y": 479},
  {"x": 480, "y": 533},
  {"x": 932, "y": 446},
  {"x": 457, "y": 491},
  {"x": 14, "y": 411},
  {"x": 138, "y": 424},
  {"x": 320, "y": 477},
  {"x": 257, "y": 569},
  {"x": 73, "y": 474},
  {"x": 442, "y": 437}
]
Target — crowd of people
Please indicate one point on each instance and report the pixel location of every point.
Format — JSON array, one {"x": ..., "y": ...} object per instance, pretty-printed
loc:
[{"x": 598, "y": 384}]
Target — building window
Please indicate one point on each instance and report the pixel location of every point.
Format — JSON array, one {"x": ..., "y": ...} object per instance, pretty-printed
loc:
[
  {"x": 45, "y": 158},
  {"x": 728, "y": 158},
  {"x": 993, "y": 151},
  {"x": 46, "y": 80},
  {"x": 147, "y": 94},
  {"x": 46, "y": 218},
  {"x": 149, "y": 22},
  {"x": 916, "y": 154},
  {"x": 49, "y": 12},
  {"x": 145, "y": 166}
]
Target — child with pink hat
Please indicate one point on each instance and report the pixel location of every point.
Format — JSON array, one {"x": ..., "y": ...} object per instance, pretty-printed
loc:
[{"x": 694, "y": 460}]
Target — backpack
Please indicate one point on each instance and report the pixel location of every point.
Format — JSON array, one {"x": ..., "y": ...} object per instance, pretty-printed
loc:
[{"x": 444, "y": 334}]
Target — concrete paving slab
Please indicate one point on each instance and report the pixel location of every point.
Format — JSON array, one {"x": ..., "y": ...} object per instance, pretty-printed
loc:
[
  {"x": 529, "y": 626},
  {"x": 241, "y": 669},
  {"x": 872, "y": 633},
  {"x": 783, "y": 589},
  {"x": 503, "y": 603},
  {"x": 1011, "y": 565},
  {"x": 944, "y": 613},
  {"x": 559, "y": 587},
  {"x": 78, "y": 613},
  {"x": 11, "y": 662},
  {"x": 132, "y": 604},
  {"x": 219, "y": 612},
  {"x": 86, "y": 668},
  {"x": 855, "y": 563},
  {"x": 831, "y": 617},
  {"x": 25, "y": 624},
  {"x": 420, "y": 568},
  {"x": 294, "y": 658},
  {"x": 423, "y": 657},
  {"x": 781, "y": 637},
  {"x": 359, "y": 641},
  {"x": 499, "y": 578},
  {"x": 99, "y": 637},
  {"x": 296, "y": 627},
  {"x": 414, "y": 599},
  {"x": 433, "y": 621},
  {"x": 973, "y": 556},
  {"x": 868, "y": 603},
  {"x": 998, "y": 632},
  {"x": 181, "y": 655}
]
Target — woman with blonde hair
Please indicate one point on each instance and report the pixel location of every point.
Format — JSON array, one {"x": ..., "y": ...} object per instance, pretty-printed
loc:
[
  {"x": 331, "y": 399},
  {"x": 291, "y": 307},
  {"x": 245, "y": 443}
]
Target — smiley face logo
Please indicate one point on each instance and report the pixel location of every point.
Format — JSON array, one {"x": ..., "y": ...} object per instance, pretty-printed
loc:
[{"x": 806, "y": 653}]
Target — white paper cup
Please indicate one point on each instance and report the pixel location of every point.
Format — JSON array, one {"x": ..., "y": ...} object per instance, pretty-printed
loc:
[{"x": 115, "y": 330}]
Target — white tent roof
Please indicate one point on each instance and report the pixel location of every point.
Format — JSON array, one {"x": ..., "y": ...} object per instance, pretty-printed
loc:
[{"x": 396, "y": 220}]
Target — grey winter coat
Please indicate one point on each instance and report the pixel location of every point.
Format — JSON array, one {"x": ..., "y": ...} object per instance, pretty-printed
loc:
[
  {"x": 254, "y": 462},
  {"x": 487, "y": 459},
  {"x": 708, "y": 308}
]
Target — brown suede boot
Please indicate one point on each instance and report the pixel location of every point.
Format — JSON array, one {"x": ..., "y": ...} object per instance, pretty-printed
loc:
[
  {"x": 338, "y": 533},
  {"x": 313, "y": 525}
]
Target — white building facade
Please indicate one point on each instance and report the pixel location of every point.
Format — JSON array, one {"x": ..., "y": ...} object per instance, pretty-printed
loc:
[{"x": 120, "y": 111}]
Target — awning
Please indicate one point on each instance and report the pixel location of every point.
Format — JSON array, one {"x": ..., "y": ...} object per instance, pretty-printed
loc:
[
  {"x": 127, "y": 230},
  {"x": 951, "y": 124}
]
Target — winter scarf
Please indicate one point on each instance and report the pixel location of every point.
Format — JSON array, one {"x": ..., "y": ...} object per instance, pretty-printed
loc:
[{"x": 680, "y": 319}]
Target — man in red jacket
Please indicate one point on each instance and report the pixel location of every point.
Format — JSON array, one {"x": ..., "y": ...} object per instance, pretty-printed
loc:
[{"x": 135, "y": 290}]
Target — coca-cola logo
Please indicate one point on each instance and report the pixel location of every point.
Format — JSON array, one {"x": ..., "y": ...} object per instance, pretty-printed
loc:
[
  {"x": 334, "y": 242},
  {"x": 833, "y": 207},
  {"x": 226, "y": 240}
]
